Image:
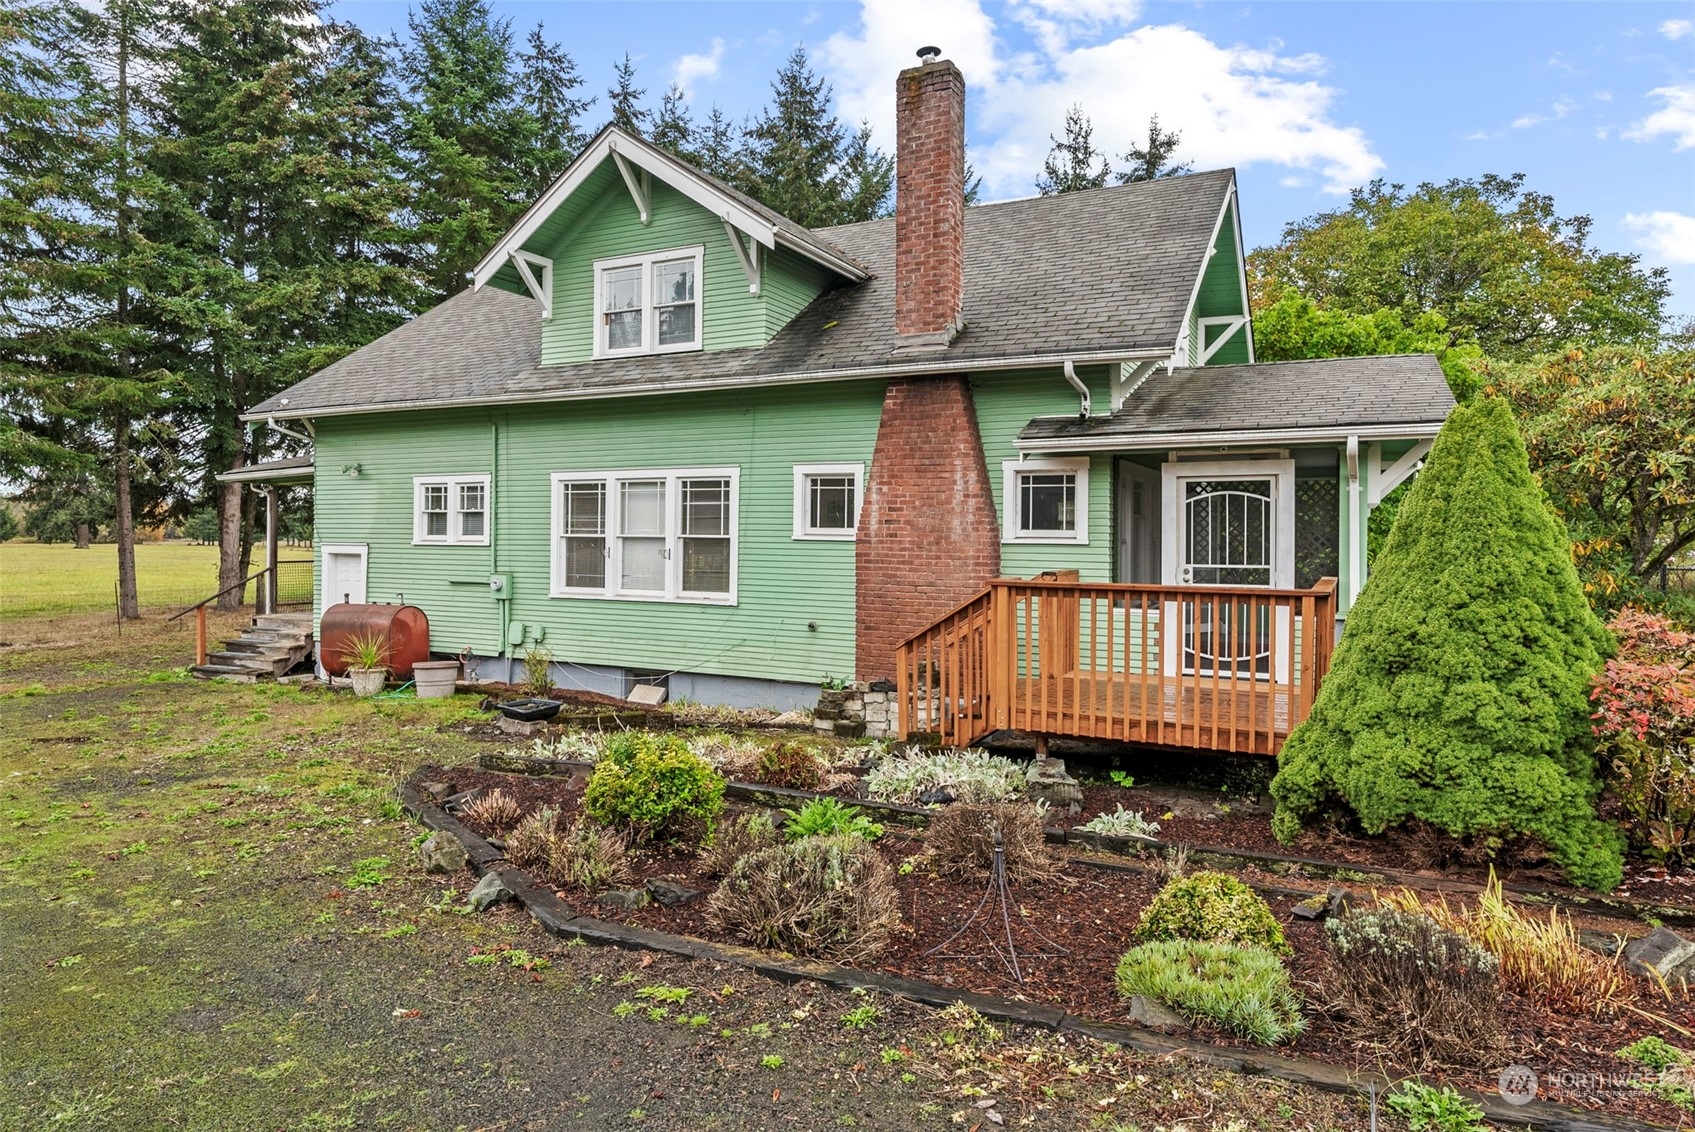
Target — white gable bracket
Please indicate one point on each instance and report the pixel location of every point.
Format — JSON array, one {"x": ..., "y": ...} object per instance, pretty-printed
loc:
[
  {"x": 1231, "y": 323},
  {"x": 638, "y": 184},
  {"x": 749, "y": 256},
  {"x": 1126, "y": 379},
  {"x": 1384, "y": 480},
  {"x": 527, "y": 265}
]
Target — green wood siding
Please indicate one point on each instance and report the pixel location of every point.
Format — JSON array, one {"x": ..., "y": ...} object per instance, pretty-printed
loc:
[
  {"x": 1005, "y": 404},
  {"x": 607, "y": 225},
  {"x": 782, "y": 584},
  {"x": 1220, "y": 295}
]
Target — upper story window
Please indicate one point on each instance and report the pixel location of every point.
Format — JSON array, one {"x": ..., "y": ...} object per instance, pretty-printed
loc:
[
  {"x": 1045, "y": 500},
  {"x": 650, "y": 535},
  {"x": 827, "y": 498},
  {"x": 450, "y": 509},
  {"x": 647, "y": 304}
]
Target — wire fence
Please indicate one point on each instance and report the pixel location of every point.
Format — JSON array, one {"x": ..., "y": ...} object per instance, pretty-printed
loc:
[{"x": 1674, "y": 579}]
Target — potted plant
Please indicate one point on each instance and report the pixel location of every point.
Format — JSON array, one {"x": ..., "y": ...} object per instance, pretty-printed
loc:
[
  {"x": 367, "y": 663},
  {"x": 434, "y": 679}
]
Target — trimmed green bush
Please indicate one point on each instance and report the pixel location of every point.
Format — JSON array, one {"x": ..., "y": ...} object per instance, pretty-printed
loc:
[
  {"x": 1458, "y": 694},
  {"x": 654, "y": 787},
  {"x": 1240, "y": 989},
  {"x": 1213, "y": 908}
]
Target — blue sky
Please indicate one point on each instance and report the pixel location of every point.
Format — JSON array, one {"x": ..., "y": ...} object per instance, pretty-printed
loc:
[{"x": 1595, "y": 102}]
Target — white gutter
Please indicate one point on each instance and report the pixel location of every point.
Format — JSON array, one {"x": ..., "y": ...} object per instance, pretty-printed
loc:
[
  {"x": 271, "y": 422},
  {"x": 1077, "y": 384},
  {"x": 1356, "y": 522},
  {"x": 703, "y": 384},
  {"x": 1118, "y": 442}
]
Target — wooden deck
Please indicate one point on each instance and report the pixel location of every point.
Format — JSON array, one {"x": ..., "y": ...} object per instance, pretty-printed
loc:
[{"x": 1200, "y": 667}]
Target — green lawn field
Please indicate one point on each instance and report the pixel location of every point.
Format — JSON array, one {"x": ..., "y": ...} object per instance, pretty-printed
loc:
[{"x": 58, "y": 578}]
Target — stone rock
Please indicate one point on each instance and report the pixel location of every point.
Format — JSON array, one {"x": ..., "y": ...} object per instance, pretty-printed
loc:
[
  {"x": 436, "y": 790},
  {"x": 442, "y": 853},
  {"x": 940, "y": 796},
  {"x": 520, "y": 727},
  {"x": 1661, "y": 952},
  {"x": 489, "y": 891},
  {"x": 1341, "y": 902},
  {"x": 1046, "y": 779},
  {"x": 1314, "y": 907},
  {"x": 626, "y": 899},
  {"x": 648, "y": 695},
  {"x": 790, "y": 719},
  {"x": 454, "y": 803},
  {"x": 670, "y": 894},
  {"x": 1155, "y": 1016},
  {"x": 884, "y": 686}
]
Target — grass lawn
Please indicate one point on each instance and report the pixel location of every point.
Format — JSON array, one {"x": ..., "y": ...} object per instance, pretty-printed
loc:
[
  {"x": 212, "y": 916},
  {"x": 58, "y": 578}
]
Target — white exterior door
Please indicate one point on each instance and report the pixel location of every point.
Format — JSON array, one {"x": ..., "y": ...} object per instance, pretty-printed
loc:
[
  {"x": 1232, "y": 524},
  {"x": 344, "y": 574}
]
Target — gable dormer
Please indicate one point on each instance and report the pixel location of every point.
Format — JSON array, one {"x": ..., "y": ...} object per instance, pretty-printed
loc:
[{"x": 633, "y": 252}]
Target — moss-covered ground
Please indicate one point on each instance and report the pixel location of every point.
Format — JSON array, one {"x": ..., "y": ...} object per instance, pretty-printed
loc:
[{"x": 212, "y": 917}]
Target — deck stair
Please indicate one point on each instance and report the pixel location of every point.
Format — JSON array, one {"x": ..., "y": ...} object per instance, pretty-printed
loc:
[{"x": 266, "y": 649}]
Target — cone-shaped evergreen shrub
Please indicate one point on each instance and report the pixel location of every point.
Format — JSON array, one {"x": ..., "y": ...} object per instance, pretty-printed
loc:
[{"x": 1458, "y": 693}]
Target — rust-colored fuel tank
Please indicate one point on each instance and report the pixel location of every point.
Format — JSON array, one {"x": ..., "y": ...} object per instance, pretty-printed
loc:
[{"x": 404, "y": 629}]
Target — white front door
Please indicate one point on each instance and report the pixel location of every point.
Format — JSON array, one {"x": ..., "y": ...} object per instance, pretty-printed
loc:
[
  {"x": 1233, "y": 525},
  {"x": 344, "y": 574}
]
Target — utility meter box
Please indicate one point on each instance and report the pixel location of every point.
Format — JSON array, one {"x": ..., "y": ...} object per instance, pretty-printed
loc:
[{"x": 500, "y": 587}]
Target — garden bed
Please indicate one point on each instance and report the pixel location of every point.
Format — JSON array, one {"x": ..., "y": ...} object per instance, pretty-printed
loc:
[{"x": 1087, "y": 914}]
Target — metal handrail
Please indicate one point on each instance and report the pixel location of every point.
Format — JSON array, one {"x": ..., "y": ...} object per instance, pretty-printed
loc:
[{"x": 238, "y": 585}]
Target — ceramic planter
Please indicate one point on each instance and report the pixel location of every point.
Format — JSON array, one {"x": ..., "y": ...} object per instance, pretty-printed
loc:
[
  {"x": 367, "y": 681},
  {"x": 434, "y": 679}
]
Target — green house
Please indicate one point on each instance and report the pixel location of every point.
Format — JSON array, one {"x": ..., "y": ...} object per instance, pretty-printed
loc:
[{"x": 671, "y": 436}]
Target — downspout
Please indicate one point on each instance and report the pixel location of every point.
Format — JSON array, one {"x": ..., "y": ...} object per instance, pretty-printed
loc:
[
  {"x": 1077, "y": 384},
  {"x": 1356, "y": 523},
  {"x": 271, "y": 422},
  {"x": 494, "y": 539}
]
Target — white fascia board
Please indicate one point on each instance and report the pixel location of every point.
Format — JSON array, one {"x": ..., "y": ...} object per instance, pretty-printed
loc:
[
  {"x": 1242, "y": 276},
  {"x": 1151, "y": 440},
  {"x": 1206, "y": 261},
  {"x": 707, "y": 384}
]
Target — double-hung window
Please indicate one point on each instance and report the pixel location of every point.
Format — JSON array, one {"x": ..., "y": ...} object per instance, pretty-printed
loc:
[
  {"x": 1045, "y": 500},
  {"x": 653, "y": 535},
  {"x": 827, "y": 499},
  {"x": 647, "y": 304},
  {"x": 450, "y": 510}
]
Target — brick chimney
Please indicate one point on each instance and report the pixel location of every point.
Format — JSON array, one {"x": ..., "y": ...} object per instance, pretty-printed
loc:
[
  {"x": 928, "y": 537},
  {"x": 929, "y": 201}
]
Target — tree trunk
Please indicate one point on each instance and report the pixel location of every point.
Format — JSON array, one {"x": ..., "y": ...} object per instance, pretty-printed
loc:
[
  {"x": 129, "y": 603},
  {"x": 82, "y": 536},
  {"x": 229, "y": 542}
]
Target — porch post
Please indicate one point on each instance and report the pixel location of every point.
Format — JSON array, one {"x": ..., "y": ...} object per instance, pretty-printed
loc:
[{"x": 269, "y": 589}]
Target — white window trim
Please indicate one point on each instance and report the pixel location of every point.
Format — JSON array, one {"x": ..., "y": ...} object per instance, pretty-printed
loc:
[
  {"x": 674, "y": 593},
  {"x": 650, "y": 323},
  {"x": 453, "y": 483},
  {"x": 803, "y": 528},
  {"x": 1012, "y": 521}
]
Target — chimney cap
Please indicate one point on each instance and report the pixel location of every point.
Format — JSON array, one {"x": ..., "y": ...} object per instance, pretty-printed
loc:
[{"x": 929, "y": 54}]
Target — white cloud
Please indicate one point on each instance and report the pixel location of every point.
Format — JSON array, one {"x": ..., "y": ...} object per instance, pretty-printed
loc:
[
  {"x": 1233, "y": 105},
  {"x": 1677, "y": 29},
  {"x": 692, "y": 68},
  {"x": 1667, "y": 236},
  {"x": 1676, "y": 117},
  {"x": 1559, "y": 110},
  {"x": 1055, "y": 23}
]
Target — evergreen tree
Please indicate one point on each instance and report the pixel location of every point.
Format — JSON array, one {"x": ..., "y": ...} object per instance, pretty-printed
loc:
[
  {"x": 624, "y": 99},
  {"x": 1154, "y": 159},
  {"x": 868, "y": 180},
  {"x": 1459, "y": 695},
  {"x": 796, "y": 147},
  {"x": 973, "y": 184},
  {"x": 1073, "y": 163},
  {"x": 720, "y": 148},
  {"x": 673, "y": 129},
  {"x": 547, "y": 86}
]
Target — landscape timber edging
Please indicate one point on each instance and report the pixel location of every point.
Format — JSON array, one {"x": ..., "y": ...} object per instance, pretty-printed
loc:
[
  {"x": 1301, "y": 868},
  {"x": 559, "y": 919}
]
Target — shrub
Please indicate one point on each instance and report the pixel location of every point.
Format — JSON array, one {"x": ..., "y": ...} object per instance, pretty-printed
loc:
[
  {"x": 1243, "y": 990},
  {"x": 829, "y": 817},
  {"x": 1645, "y": 729},
  {"x": 734, "y": 840},
  {"x": 495, "y": 810},
  {"x": 1213, "y": 908},
  {"x": 970, "y": 776},
  {"x": 1542, "y": 959},
  {"x": 961, "y": 840},
  {"x": 789, "y": 765},
  {"x": 531, "y": 840},
  {"x": 828, "y": 897},
  {"x": 1429, "y": 1109},
  {"x": 538, "y": 671},
  {"x": 1458, "y": 693},
  {"x": 1121, "y": 823},
  {"x": 589, "y": 857},
  {"x": 652, "y": 788},
  {"x": 1410, "y": 987}
]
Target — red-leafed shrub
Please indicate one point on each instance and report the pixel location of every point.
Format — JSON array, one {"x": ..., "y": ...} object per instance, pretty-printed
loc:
[{"x": 1644, "y": 722}]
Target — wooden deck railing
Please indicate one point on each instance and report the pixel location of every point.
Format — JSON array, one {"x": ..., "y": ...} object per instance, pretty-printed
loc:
[{"x": 1210, "y": 667}]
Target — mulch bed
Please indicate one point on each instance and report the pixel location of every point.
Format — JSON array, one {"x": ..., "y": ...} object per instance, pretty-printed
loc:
[{"x": 1088, "y": 916}]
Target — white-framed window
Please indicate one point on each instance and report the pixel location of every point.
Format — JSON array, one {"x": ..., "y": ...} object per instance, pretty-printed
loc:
[
  {"x": 450, "y": 510},
  {"x": 1045, "y": 500},
  {"x": 655, "y": 534},
  {"x": 647, "y": 304},
  {"x": 827, "y": 500}
]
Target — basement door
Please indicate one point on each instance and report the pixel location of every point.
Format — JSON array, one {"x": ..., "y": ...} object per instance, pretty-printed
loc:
[
  {"x": 344, "y": 574},
  {"x": 1232, "y": 525}
]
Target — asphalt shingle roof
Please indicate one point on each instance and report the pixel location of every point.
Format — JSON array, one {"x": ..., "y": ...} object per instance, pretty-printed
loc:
[
  {"x": 1079, "y": 274},
  {"x": 1327, "y": 393}
]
